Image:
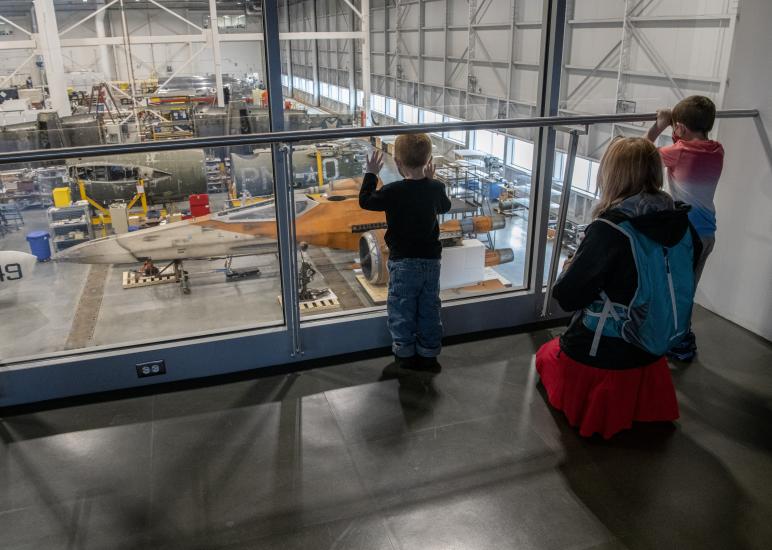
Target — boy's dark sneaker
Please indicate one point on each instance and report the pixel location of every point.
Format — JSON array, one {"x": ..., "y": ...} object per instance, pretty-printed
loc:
[
  {"x": 685, "y": 350},
  {"x": 404, "y": 362},
  {"x": 428, "y": 364},
  {"x": 417, "y": 366}
]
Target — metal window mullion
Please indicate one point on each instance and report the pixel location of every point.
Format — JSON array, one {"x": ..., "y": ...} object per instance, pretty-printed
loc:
[
  {"x": 554, "y": 16},
  {"x": 283, "y": 191}
]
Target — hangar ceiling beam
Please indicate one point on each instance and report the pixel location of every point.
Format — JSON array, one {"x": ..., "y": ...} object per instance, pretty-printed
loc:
[{"x": 17, "y": 45}]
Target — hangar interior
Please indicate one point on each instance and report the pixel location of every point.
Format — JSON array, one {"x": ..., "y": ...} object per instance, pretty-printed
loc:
[
  {"x": 125, "y": 73},
  {"x": 179, "y": 228}
]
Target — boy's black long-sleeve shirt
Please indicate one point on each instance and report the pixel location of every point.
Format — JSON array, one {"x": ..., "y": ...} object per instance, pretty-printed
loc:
[{"x": 411, "y": 207}]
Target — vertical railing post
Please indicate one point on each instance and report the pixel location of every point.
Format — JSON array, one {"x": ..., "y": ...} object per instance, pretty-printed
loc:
[
  {"x": 560, "y": 229},
  {"x": 554, "y": 20},
  {"x": 285, "y": 209}
]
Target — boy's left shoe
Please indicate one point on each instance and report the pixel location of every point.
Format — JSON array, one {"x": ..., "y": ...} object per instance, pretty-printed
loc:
[
  {"x": 419, "y": 367},
  {"x": 428, "y": 364}
]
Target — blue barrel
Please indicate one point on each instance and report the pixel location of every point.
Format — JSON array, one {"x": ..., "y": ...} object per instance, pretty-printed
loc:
[{"x": 39, "y": 245}]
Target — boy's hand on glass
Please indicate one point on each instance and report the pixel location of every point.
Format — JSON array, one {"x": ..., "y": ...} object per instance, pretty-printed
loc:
[
  {"x": 664, "y": 118},
  {"x": 429, "y": 169},
  {"x": 374, "y": 163}
]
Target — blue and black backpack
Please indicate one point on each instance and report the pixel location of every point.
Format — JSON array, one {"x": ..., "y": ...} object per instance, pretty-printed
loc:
[{"x": 660, "y": 311}]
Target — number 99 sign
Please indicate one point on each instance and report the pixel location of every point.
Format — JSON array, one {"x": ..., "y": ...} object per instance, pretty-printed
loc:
[{"x": 15, "y": 267}]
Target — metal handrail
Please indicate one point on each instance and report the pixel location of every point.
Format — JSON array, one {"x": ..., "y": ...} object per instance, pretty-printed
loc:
[{"x": 338, "y": 133}]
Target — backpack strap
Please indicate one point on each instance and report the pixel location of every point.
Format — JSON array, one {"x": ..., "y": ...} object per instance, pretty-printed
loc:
[{"x": 608, "y": 310}]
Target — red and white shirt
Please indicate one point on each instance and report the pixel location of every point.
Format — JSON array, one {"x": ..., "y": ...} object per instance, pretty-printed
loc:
[{"x": 693, "y": 169}]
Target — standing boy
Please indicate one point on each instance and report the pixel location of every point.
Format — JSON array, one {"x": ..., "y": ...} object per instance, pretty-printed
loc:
[
  {"x": 412, "y": 235},
  {"x": 694, "y": 165}
]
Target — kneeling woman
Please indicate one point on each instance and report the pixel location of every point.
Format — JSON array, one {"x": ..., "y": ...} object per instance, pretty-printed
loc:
[{"x": 631, "y": 284}]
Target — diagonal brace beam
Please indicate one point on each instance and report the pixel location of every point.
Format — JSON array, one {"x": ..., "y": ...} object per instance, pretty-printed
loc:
[
  {"x": 92, "y": 14},
  {"x": 177, "y": 15},
  {"x": 353, "y": 8},
  {"x": 22, "y": 29}
]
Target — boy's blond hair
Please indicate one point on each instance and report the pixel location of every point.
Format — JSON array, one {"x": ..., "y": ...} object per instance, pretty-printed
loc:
[
  {"x": 413, "y": 150},
  {"x": 628, "y": 167},
  {"x": 696, "y": 112}
]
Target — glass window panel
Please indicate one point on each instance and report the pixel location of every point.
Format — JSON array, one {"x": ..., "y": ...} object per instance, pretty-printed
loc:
[
  {"x": 581, "y": 174},
  {"x": 458, "y": 136},
  {"x": 408, "y": 114},
  {"x": 378, "y": 103},
  {"x": 483, "y": 141},
  {"x": 391, "y": 107},
  {"x": 560, "y": 166},
  {"x": 580, "y": 203},
  {"x": 430, "y": 117},
  {"x": 523, "y": 157},
  {"x": 593, "y": 187},
  {"x": 330, "y": 251},
  {"x": 202, "y": 207},
  {"x": 498, "y": 143}
]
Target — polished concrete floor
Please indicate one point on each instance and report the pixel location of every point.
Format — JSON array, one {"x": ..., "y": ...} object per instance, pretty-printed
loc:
[{"x": 336, "y": 458}]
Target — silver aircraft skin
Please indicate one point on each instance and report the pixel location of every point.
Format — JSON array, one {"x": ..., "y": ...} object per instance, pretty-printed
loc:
[{"x": 215, "y": 236}]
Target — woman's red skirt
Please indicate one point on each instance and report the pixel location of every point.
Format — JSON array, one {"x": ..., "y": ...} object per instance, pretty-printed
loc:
[{"x": 602, "y": 400}]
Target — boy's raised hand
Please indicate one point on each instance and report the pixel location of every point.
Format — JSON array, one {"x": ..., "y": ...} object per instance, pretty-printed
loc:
[
  {"x": 429, "y": 169},
  {"x": 664, "y": 118},
  {"x": 374, "y": 163}
]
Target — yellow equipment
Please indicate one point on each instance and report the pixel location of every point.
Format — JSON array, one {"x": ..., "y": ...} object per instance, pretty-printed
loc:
[
  {"x": 104, "y": 213},
  {"x": 62, "y": 197}
]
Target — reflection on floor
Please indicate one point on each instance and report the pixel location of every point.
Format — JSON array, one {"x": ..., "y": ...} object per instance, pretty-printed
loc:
[{"x": 336, "y": 458}]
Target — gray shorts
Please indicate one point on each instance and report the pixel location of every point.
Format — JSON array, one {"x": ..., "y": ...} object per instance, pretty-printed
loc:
[{"x": 707, "y": 247}]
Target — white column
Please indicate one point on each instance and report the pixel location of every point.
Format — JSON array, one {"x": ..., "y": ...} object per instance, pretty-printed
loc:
[
  {"x": 290, "y": 83},
  {"x": 50, "y": 48},
  {"x": 365, "y": 7},
  {"x": 214, "y": 40},
  {"x": 104, "y": 54}
]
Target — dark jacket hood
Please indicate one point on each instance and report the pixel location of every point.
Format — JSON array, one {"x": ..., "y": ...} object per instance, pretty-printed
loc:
[{"x": 655, "y": 215}]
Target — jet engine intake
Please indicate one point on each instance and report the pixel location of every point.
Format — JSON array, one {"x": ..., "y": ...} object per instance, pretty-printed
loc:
[{"x": 374, "y": 257}]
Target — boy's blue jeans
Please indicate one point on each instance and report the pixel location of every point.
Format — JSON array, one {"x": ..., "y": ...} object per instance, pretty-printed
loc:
[{"x": 413, "y": 307}]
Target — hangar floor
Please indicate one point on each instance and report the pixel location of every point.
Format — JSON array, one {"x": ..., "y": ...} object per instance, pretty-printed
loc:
[
  {"x": 66, "y": 306},
  {"x": 334, "y": 457}
]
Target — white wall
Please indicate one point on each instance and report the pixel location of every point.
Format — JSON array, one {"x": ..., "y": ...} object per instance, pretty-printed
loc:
[{"x": 737, "y": 283}]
